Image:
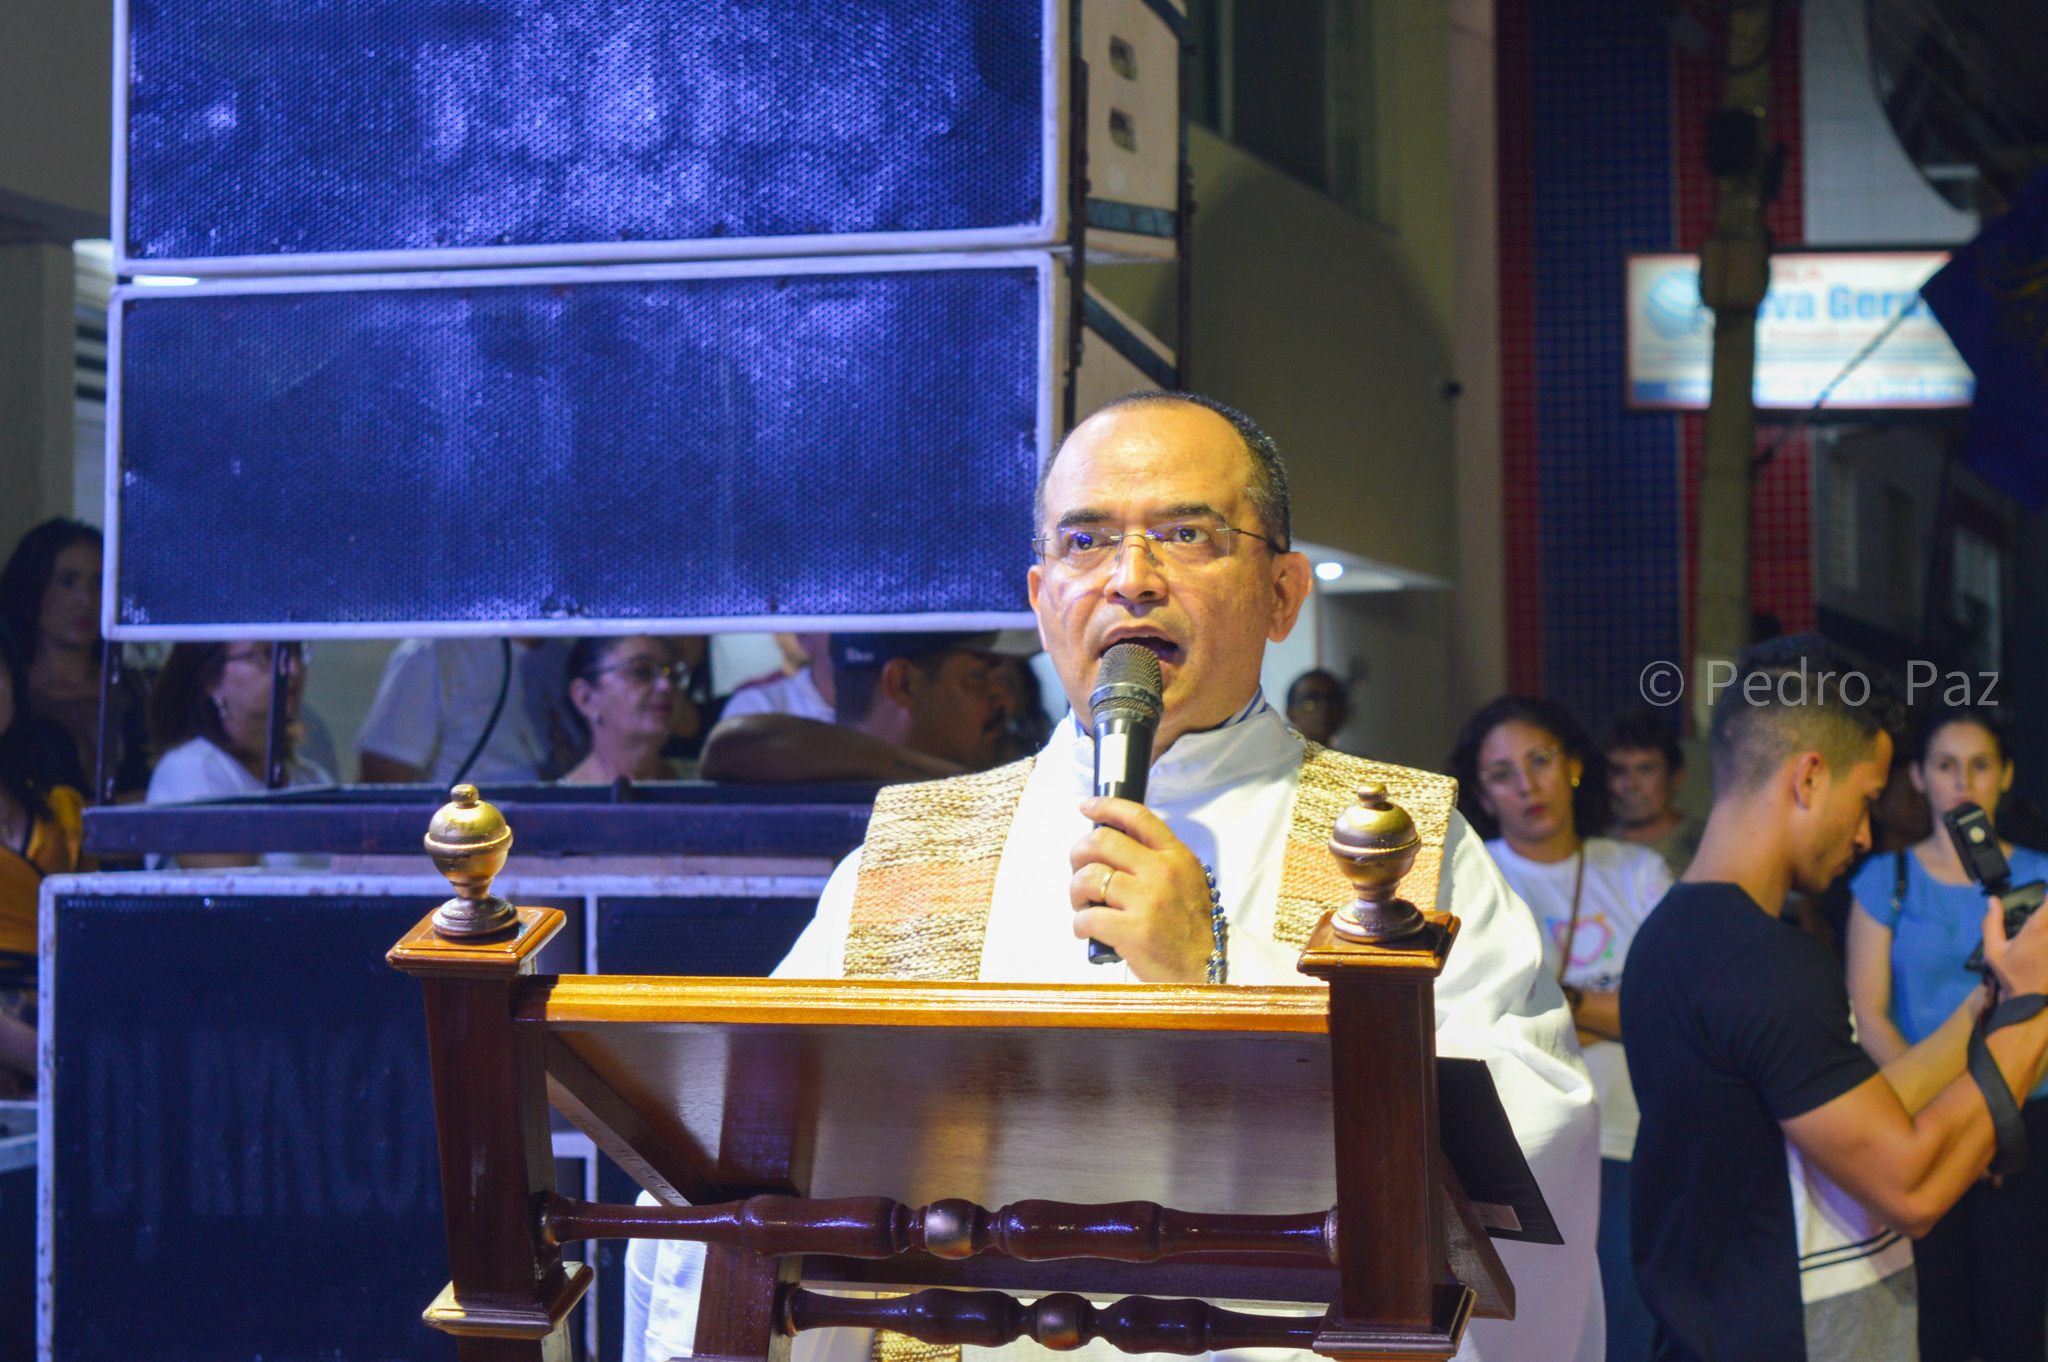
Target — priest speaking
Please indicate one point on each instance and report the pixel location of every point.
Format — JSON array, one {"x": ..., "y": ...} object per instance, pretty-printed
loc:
[{"x": 1163, "y": 521}]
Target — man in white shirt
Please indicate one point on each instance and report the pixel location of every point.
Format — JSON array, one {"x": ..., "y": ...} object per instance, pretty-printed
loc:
[
  {"x": 806, "y": 692},
  {"x": 434, "y": 703},
  {"x": 1163, "y": 520}
]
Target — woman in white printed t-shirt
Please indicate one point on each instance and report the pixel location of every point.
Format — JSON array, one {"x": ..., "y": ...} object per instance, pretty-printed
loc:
[{"x": 1527, "y": 772}]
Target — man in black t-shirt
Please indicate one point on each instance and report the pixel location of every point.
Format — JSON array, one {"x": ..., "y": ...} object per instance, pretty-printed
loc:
[{"x": 1776, "y": 1166}]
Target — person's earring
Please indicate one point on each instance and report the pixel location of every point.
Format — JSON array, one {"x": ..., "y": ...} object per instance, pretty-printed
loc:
[
  {"x": 220, "y": 708},
  {"x": 1575, "y": 782}
]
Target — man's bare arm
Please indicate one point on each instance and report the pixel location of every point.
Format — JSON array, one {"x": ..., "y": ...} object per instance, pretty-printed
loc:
[
  {"x": 1919, "y": 1075},
  {"x": 1598, "y": 1015},
  {"x": 782, "y": 748},
  {"x": 1908, "y": 1168},
  {"x": 213, "y": 860}
]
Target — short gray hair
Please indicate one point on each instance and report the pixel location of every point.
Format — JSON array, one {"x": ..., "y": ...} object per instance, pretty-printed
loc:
[{"x": 1268, "y": 488}]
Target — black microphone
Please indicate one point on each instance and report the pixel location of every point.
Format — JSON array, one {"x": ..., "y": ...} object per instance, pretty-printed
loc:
[{"x": 1126, "y": 705}]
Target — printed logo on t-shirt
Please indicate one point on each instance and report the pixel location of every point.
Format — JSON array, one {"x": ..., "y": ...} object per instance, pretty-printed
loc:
[{"x": 1592, "y": 949}]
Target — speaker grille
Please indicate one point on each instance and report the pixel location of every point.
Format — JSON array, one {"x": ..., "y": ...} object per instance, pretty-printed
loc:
[
  {"x": 244, "y": 1080},
  {"x": 623, "y": 447},
  {"x": 386, "y": 125},
  {"x": 717, "y": 936}
]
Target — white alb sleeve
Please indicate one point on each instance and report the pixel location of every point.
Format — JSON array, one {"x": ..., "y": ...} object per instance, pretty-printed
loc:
[
  {"x": 1496, "y": 1002},
  {"x": 663, "y": 1277},
  {"x": 820, "y": 952}
]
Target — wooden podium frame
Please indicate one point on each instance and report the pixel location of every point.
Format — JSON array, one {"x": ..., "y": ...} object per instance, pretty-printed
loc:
[{"x": 767, "y": 1115}]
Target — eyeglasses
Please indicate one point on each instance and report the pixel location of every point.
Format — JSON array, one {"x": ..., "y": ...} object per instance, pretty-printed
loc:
[
  {"x": 645, "y": 671},
  {"x": 1188, "y": 543},
  {"x": 1536, "y": 765}
]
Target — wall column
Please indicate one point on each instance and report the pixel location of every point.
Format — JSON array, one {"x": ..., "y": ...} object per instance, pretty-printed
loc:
[
  {"x": 1479, "y": 604},
  {"x": 37, "y": 449}
]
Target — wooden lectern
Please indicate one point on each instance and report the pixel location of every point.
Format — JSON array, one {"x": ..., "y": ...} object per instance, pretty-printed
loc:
[{"x": 851, "y": 1135}]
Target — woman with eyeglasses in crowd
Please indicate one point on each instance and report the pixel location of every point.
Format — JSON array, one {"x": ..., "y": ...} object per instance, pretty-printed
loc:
[
  {"x": 1531, "y": 781},
  {"x": 626, "y": 692},
  {"x": 40, "y": 833},
  {"x": 50, "y": 604},
  {"x": 209, "y": 716},
  {"x": 1914, "y": 922}
]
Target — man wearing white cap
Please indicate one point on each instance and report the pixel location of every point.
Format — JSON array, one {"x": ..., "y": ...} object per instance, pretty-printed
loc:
[{"x": 910, "y": 706}]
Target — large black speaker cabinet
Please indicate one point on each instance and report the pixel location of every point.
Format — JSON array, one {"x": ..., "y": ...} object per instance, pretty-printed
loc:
[
  {"x": 688, "y": 447},
  {"x": 239, "y": 1122},
  {"x": 403, "y": 134},
  {"x": 842, "y": 442}
]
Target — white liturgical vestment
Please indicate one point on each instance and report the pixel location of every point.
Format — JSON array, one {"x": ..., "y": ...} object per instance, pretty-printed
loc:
[{"x": 1228, "y": 794}]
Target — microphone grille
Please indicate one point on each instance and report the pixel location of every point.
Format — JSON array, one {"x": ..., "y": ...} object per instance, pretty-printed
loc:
[{"x": 1128, "y": 680}]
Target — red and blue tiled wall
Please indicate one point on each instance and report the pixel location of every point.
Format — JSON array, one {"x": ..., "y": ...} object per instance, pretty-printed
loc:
[{"x": 1601, "y": 123}]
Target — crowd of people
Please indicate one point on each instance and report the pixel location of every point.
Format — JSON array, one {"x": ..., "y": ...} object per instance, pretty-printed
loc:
[
  {"x": 196, "y": 723},
  {"x": 1590, "y": 834},
  {"x": 1690, "y": 1033}
]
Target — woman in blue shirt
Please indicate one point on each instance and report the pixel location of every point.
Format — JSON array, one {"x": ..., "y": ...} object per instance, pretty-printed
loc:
[{"x": 1983, "y": 1271}]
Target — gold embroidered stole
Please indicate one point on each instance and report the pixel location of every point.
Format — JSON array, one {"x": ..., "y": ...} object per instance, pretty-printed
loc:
[
  {"x": 1309, "y": 883},
  {"x": 928, "y": 874},
  {"x": 928, "y": 869},
  {"x": 920, "y": 908}
]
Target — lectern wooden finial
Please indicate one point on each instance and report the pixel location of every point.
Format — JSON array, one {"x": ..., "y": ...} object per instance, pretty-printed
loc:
[
  {"x": 469, "y": 841},
  {"x": 1375, "y": 844}
]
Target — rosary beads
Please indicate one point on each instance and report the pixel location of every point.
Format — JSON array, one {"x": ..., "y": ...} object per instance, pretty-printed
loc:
[{"x": 1219, "y": 933}]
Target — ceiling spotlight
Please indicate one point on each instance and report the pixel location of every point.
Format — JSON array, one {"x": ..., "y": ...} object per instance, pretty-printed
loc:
[{"x": 1329, "y": 572}]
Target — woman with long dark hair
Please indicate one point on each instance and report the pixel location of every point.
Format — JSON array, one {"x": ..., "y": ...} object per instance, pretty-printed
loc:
[
  {"x": 40, "y": 826},
  {"x": 1531, "y": 781},
  {"x": 209, "y": 715},
  {"x": 50, "y": 604},
  {"x": 1914, "y": 921}
]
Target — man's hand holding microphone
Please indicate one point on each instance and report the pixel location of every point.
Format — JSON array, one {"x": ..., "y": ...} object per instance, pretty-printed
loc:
[{"x": 1137, "y": 892}]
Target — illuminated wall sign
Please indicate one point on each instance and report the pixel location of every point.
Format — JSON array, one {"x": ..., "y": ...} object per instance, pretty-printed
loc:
[{"x": 1822, "y": 309}]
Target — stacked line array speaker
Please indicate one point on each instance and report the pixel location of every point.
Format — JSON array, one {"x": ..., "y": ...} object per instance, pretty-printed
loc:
[
  {"x": 402, "y": 134},
  {"x": 784, "y": 441},
  {"x": 574, "y": 317}
]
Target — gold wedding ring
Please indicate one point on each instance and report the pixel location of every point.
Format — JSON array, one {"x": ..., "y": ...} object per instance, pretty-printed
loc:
[{"x": 1102, "y": 896}]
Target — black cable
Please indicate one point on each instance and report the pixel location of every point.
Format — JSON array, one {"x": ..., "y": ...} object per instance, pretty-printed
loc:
[
  {"x": 491, "y": 724},
  {"x": 1756, "y": 465}
]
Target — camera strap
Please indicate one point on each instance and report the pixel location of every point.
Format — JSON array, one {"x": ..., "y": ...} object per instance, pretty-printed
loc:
[
  {"x": 2014, "y": 1010},
  {"x": 2006, "y": 1123}
]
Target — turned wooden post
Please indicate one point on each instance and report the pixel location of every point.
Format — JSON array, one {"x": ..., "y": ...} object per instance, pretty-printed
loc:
[
  {"x": 763, "y": 1144},
  {"x": 1381, "y": 958},
  {"x": 509, "y": 1290}
]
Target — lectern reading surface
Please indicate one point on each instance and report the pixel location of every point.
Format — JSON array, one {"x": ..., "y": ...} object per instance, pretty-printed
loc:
[{"x": 911, "y": 1135}]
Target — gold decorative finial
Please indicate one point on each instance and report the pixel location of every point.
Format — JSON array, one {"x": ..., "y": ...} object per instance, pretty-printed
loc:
[
  {"x": 1375, "y": 844},
  {"x": 469, "y": 841}
]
